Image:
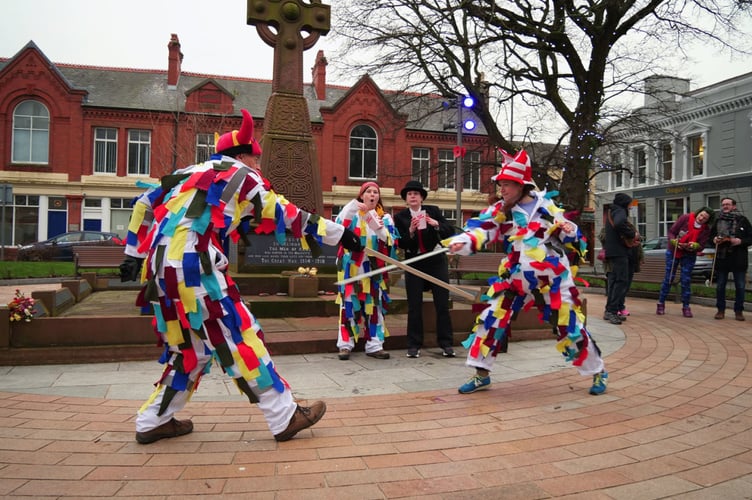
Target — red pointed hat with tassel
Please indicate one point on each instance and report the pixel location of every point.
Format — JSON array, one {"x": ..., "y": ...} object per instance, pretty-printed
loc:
[
  {"x": 515, "y": 168},
  {"x": 238, "y": 141}
]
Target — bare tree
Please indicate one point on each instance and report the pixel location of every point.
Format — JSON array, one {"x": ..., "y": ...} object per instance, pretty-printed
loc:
[{"x": 573, "y": 64}]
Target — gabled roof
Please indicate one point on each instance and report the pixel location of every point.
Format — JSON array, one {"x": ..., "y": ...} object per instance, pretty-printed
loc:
[
  {"x": 48, "y": 64},
  {"x": 204, "y": 83},
  {"x": 141, "y": 89}
]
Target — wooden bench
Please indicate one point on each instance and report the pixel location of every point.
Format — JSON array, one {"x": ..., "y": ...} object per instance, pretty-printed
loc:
[
  {"x": 97, "y": 256},
  {"x": 482, "y": 262},
  {"x": 653, "y": 270}
]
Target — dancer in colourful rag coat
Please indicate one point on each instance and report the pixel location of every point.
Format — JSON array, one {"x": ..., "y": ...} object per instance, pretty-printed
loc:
[
  {"x": 363, "y": 304},
  {"x": 536, "y": 272},
  {"x": 179, "y": 229}
]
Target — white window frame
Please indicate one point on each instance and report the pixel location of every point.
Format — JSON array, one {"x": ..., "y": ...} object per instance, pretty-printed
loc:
[
  {"x": 666, "y": 163},
  {"x": 446, "y": 169},
  {"x": 31, "y": 133},
  {"x": 204, "y": 147},
  {"x": 616, "y": 178},
  {"x": 640, "y": 158},
  {"x": 140, "y": 141},
  {"x": 451, "y": 216},
  {"x": 696, "y": 158},
  {"x": 666, "y": 219},
  {"x": 471, "y": 171},
  {"x": 105, "y": 151},
  {"x": 363, "y": 151},
  {"x": 421, "y": 166}
]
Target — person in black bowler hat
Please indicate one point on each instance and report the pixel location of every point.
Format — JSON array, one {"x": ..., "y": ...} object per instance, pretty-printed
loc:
[{"x": 421, "y": 228}]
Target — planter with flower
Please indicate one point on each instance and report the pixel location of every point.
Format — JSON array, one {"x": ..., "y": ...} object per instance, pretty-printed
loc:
[{"x": 304, "y": 284}]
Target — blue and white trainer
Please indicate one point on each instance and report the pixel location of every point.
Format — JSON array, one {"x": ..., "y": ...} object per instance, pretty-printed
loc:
[
  {"x": 476, "y": 383},
  {"x": 600, "y": 380}
]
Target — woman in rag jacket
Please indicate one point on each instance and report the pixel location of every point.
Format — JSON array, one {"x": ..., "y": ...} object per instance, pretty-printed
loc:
[
  {"x": 363, "y": 303},
  {"x": 536, "y": 272}
]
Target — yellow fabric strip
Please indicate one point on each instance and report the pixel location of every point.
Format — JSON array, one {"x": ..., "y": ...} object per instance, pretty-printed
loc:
[
  {"x": 174, "y": 333},
  {"x": 187, "y": 297},
  {"x": 151, "y": 399},
  {"x": 139, "y": 212},
  {"x": 177, "y": 246}
]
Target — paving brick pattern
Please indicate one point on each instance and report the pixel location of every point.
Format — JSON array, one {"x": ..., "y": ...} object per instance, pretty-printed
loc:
[{"x": 676, "y": 422}]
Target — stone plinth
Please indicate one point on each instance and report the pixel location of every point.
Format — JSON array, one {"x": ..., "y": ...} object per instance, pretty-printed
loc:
[{"x": 303, "y": 286}]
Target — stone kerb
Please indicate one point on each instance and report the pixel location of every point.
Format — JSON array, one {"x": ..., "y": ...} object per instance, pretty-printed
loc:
[{"x": 55, "y": 301}]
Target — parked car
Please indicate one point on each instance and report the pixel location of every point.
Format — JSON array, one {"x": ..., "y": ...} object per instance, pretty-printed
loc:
[
  {"x": 60, "y": 247},
  {"x": 704, "y": 263},
  {"x": 656, "y": 248}
]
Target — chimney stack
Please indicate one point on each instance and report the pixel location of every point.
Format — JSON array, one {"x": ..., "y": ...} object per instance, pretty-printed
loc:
[
  {"x": 319, "y": 75},
  {"x": 175, "y": 58}
]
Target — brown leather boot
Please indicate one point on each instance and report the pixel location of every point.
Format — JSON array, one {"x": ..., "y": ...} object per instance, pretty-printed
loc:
[
  {"x": 739, "y": 316},
  {"x": 303, "y": 418},
  {"x": 173, "y": 428}
]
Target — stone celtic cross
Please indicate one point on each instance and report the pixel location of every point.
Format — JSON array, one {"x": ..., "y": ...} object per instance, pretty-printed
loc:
[{"x": 289, "y": 157}]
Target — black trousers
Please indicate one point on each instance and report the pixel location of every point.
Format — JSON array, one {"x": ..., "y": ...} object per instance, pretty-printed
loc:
[
  {"x": 618, "y": 283},
  {"x": 415, "y": 286}
]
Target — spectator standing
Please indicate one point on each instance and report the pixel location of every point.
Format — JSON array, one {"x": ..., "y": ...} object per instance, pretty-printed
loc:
[
  {"x": 535, "y": 272},
  {"x": 732, "y": 234},
  {"x": 686, "y": 238},
  {"x": 620, "y": 235},
  {"x": 421, "y": 228},
  {"x": 635, "y": 259},
  {"x": 179, "y": 229},
  {"x": 363, "y": 303}
]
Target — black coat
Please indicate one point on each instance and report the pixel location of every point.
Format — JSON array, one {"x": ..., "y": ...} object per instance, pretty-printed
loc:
[
  {"x": 430, "y": 236},
  {"x": 618, "y": 228},
  {"x": 733, "y": 258}
]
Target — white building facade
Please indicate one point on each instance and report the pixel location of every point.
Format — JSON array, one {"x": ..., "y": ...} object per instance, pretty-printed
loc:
[{"x": 694, "y": 148}]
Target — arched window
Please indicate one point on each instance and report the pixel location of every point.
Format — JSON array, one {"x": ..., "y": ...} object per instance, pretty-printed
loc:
[
  {"x": 363, "y": 147},
  {"x": 31, "y": 133}
]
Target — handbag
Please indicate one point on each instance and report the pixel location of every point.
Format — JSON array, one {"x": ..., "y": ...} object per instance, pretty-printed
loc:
[
  {"x": 601, "y": 254},
  {"x": 627, "y": 242}
]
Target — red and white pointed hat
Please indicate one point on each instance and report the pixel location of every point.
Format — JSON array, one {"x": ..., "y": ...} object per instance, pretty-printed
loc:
[{"x": 515, "y": 168}]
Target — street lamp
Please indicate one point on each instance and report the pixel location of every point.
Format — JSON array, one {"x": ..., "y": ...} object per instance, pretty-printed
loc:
[{"x": 461, "y": 102}]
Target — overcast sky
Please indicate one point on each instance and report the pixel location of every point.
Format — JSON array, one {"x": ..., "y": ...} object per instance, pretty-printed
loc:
[{"x": 214, "y": 37}]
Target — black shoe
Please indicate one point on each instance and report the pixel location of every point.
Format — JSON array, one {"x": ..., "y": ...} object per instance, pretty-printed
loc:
[
  {"x": 447, "y": 352},
  {"x": 612, "y": 318},
  {"x": 413, "y": 353}
]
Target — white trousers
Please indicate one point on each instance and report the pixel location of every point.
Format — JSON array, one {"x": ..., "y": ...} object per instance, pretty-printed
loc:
[{"x": 277, "y": 407}]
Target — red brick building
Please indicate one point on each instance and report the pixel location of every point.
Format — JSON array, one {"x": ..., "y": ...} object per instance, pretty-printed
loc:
[{"x": 77, "y": 143}]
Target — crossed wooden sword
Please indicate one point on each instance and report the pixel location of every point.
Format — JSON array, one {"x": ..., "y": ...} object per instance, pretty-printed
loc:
[{"x": 473, "y": 295}]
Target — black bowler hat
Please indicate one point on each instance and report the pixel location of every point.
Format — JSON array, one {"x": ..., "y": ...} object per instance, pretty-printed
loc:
[{"x": 413, "y": 186}]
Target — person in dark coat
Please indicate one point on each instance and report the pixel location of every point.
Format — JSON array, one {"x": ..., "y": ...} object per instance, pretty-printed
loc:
[
  {"x": 732, "y": 234},
  {"x": 619, "y": 235},
  {"x": 421, "y": 228}
]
